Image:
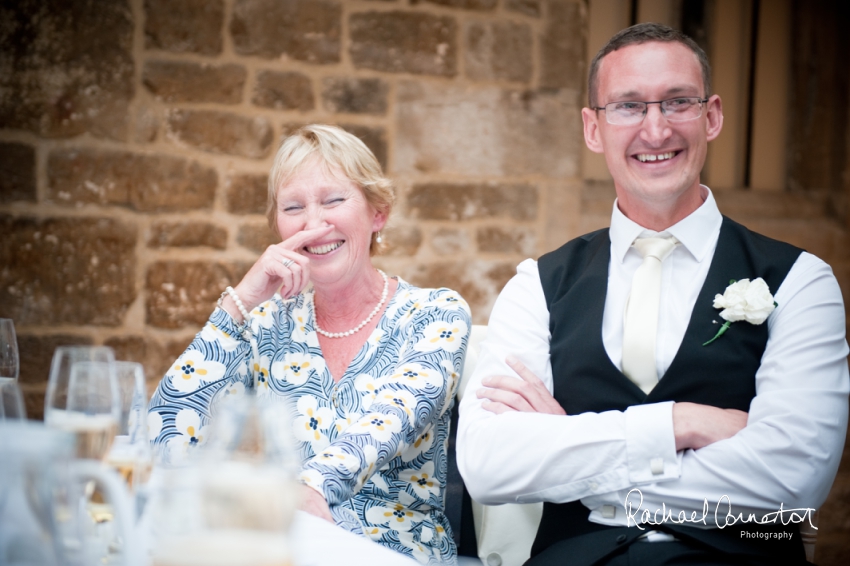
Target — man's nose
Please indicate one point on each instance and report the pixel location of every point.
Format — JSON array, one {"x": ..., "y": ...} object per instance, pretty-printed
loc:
[{"x": 655, "y": 128}]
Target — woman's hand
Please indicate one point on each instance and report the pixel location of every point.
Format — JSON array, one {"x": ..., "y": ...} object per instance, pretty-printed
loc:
[
  {"x": 281, "y": 268},
  {"x": 313, "y": 503}
]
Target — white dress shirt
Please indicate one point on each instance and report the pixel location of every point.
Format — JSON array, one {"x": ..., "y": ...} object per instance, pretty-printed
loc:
[{"x": 787, "y": 454}]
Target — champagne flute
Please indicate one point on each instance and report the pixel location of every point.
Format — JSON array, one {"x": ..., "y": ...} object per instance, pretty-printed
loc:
[
  {"x": 82, "y": 397},
  {"x": 11, "y": 402},
  {"x": 9, "y": 361}
]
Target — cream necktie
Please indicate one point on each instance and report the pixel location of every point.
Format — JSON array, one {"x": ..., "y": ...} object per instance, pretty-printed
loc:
[{"x": 641, "y": 317}]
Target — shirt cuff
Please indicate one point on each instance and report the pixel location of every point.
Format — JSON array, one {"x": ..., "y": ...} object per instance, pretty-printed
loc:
[{"x": 651, "y": 444}]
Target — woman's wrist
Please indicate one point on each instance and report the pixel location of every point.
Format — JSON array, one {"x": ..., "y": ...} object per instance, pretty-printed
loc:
[{"x": 228, "y": 305}]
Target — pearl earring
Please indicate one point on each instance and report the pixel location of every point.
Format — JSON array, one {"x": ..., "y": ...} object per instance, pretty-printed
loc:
[{"x": 378, "y": 238}]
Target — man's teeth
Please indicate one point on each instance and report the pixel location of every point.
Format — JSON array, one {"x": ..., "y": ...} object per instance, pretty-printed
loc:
[
  {"x": 325, "y": 249},
  {"x": 644, "y": 157}
]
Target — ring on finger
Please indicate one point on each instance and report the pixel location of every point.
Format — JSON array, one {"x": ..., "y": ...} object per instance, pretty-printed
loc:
[{"x": 287, "y": 262}]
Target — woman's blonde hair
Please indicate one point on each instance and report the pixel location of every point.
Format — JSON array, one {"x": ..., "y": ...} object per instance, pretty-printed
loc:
[{"x": 339, "y": 152}]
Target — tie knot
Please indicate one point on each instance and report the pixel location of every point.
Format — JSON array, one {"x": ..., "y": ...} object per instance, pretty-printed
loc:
[{"x": 659, "y": 248}]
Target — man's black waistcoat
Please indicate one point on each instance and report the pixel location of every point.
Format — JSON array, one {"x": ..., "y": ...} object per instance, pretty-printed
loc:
[{"x": 722, "y": 374}]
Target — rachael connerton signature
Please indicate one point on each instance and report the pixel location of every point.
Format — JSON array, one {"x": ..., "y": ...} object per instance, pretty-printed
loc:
[{"x": 721, "y": 519}]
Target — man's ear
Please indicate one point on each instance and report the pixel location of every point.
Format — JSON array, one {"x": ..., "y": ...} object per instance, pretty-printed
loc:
[
  {"x": 713, "y": 117},
  {"x": 592, "y": 138}
]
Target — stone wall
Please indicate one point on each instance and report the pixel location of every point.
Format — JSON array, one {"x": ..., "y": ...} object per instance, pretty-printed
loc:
[{"x": 136, "y": 135}]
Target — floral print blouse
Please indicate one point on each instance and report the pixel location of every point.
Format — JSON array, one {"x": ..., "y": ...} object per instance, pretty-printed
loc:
[{"x": 374, "y": 444}]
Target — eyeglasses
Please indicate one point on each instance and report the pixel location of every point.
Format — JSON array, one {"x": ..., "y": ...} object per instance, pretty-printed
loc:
[{"x": 632, "y": 112}]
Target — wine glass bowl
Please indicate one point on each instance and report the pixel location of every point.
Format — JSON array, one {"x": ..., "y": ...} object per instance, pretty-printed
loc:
[{"x": 82, "y": 397}]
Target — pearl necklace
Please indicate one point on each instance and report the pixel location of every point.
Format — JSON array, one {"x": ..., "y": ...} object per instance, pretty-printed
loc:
[{"x": 362, "y": 324}]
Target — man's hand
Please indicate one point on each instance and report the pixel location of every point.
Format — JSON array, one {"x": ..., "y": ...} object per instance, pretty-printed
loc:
[
  {"x": 696, "y": 426},
  {"x": 313, "y": 503},
  {"x": 528, "y": 394}
]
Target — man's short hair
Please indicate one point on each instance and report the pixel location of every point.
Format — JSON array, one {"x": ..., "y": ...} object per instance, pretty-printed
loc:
[{"x": 644, "y": 33}]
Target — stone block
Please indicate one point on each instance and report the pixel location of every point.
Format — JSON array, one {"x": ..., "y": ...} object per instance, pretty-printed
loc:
[
  {"x": 147, "y": 183},
  {"x": 36, "y": 354},
  {"x": 256, "y": 236},
  {"x": 247, "y": 194},
  {"x": 304, "y": 30},
  {"x": 527, "y": 7},
  {"x": 498, "y": 51},
  {"x": 154, "y": 356},
  {"x": 484, "y": 5},
  {"x": 486, "y": 131},
  {"x": 448, "y": 241},
  {"x": 507, "y": 239},
  {"x": 66, "y": 67},
  {"x": 147, "y": 125},
  {"x": 184, "y": 26},
  {"x": 477, "y": 281},
  {"x": 562, "y": 47},
  {"x": 446, "y": 201},
  {"x": 404, "y": 42},
  {"x": 67, "y": 271},
  {"x": 283, "y": 91},
  {"x": 349, "y": 95},
  {"x": 184, "y": 293},
  {"x": 375, "y": 139},
  {"x": 221, "y": 132},
  {"x": 176, "y": 81},
  {"x": 34, "y": 401},
  {"x": 186, "y": 235},
  {"x": 17, "y": 172},
  {"x": 402, "y": 240}
]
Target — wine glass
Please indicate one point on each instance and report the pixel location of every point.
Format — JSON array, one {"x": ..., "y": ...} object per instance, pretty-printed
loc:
[
  {"x": 82, "y": 397},
  {"x": 9, "y": 361},
  {"x": 11, "y": 402},
  {"x": 130, "y": 454}
]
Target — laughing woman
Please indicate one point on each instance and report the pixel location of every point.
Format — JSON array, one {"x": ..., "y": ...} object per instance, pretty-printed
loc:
[{"x": 369, "y": 361}]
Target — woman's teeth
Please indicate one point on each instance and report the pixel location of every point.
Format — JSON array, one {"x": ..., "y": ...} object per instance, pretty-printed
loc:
[
  {"x": 324, "y": 249},
  {"x": 644, "y": 157}
]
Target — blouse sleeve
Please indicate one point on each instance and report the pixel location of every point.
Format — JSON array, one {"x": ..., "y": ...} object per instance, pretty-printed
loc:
[
  {"x": 179, "y": 411},
  {"x": 411, "y": 395}
]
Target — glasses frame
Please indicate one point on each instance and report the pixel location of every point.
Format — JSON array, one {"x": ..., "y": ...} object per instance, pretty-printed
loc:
[{"x": 660, "y": 103}]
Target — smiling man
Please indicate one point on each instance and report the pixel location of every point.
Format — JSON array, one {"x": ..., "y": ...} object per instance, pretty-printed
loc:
[{"x": 652, "y": 381}]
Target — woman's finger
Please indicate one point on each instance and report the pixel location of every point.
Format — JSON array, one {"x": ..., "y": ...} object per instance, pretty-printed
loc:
[{"x": 300, "y": 239}]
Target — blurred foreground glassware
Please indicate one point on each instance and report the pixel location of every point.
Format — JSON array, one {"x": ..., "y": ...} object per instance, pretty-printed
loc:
[
  {"x": 41, "y": 519},
  {"x": 233, "y": 504},
  {"x": 9, "y": 360},
  {"x": 11, "y": 402},
  {"x": 82, "y": 397}
]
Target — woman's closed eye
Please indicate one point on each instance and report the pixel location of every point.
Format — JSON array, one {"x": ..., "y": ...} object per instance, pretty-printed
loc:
[{"x": 334, "y": 201}]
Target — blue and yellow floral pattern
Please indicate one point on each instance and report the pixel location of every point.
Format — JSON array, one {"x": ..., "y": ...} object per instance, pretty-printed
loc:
[{"x": 374, "y": 443}]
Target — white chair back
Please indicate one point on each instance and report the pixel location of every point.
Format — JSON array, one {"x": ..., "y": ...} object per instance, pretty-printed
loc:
[{"x": 504, "y": 533}]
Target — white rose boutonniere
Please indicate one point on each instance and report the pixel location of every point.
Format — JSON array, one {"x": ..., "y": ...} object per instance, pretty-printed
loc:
[{"x": 743, "y": 300}]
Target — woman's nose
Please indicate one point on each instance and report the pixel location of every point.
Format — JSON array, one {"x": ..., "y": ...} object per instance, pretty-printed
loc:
[{"x": 315, "y": 217}]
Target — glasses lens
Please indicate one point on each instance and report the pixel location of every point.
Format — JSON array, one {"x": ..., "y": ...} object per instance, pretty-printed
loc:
[
  {"x": 682, "y": 109},
  {"x": 625, "y": 113}
]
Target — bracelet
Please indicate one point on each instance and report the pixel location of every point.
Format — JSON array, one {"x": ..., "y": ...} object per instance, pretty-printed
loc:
[{"x": 239, "y": 305}]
